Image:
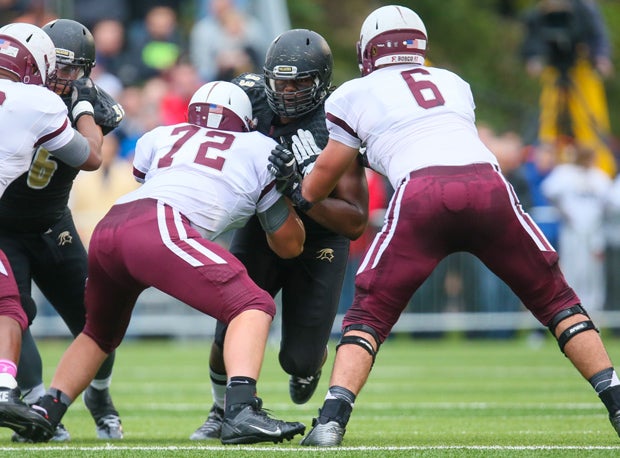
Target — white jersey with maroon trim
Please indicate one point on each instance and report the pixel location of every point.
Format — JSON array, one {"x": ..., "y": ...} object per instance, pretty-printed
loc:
[
  {"x": 217, "y": 179},
  {"x": 436, "y": 127},
  {"x": 29, "y": 116}
]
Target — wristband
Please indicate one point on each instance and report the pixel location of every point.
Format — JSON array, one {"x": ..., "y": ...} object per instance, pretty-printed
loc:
[
  {"x": 304, "y": 205},
  {"x": 81, "y": 108},
  {"x": 299, "y": 201}
]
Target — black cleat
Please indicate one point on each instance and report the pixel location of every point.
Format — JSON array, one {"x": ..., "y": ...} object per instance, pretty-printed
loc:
[
  {"x": 212, "y": 427},
  {"x": 615, "y": 421},
  {"x": 252, "y": 424},
  {"x": 60, "y": 435},
  {"x": 301, "y": 389},
  {"x": 26, "y": 421}
]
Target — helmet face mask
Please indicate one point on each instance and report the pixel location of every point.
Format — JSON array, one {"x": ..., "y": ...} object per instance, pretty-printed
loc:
[
  {"x": 75, "y": 53},
  {"x": 221, "y": 105},
  {"x": 27, "y": 53},
  {"x": 298, "y": 72},
  {"x": 391, "y": 35}
]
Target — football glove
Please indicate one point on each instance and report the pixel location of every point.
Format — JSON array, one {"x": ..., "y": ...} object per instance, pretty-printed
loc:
[
  {"x": 83, "y": 98},
  {"x": 108, "y": 112},
  {"x": 305, "y": 150},
  {"x": 283, "y": 166}
]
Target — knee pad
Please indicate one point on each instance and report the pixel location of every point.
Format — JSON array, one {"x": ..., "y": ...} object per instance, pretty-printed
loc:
[
  {"x": 359, "y": 340},
  {"x": 574, "y": 329}
]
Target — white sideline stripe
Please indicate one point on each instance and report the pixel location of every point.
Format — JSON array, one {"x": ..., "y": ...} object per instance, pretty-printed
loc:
[
  {"x": 312, "y": 450},
  {"x": 380, "y": 406}
]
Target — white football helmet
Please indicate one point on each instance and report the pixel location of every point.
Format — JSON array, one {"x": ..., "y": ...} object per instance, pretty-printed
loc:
[
  {"x": 221, "y": 105},
  {"x": 27, "y": 52},
  {"x": 391, "y": 35}
]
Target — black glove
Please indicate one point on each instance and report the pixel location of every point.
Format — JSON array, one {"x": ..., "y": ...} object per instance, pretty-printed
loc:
[
  {"x": 283, "y": 166},
  {"x": 108, "y": 112},
  {"x": 83, "y": 98}
]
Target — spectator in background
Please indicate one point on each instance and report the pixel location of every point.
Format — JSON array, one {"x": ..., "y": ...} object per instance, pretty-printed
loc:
[
  {"x": 90, "y": 12},
  {"x": 183, "y": 81},
  {"x": 612, "y": 250},
  {"x": 36, "y": 12},
  {"x": 10, "y": 10},
  {"x": 567, "y": 46},
  {"x": 579, "y": 191},
  {"x": 227, "y": 42},
  {"x": 540, "y": 161},
  {"x": 272, "y": 14},
  {"x": 154, "y": 45},
  {"x": 109, "y": 37}
]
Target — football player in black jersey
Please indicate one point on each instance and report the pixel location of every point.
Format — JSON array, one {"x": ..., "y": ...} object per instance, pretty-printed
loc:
[
  {"x": 39, "y": 237},
  {"x": 288, "y": 104}
]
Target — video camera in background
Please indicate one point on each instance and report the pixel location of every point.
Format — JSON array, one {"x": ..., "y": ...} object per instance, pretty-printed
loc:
[{"x": 564, "y": 29}]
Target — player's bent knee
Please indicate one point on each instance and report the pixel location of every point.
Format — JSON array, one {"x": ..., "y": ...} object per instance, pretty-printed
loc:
[{"x": 575, "y": 328}]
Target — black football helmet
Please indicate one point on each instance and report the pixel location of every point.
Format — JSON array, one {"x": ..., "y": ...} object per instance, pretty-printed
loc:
[
  {"x": 301, "y": 55},
  {"x": 75, "y": 52}
]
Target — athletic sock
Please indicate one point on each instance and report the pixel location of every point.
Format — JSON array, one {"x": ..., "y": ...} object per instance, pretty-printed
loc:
[
  {"x": 7, "y": 380},
  {"x": 8, "y": 367},
  {"x": 32, "y": 395},
  {"x": 101, "y": 384},
  {"x": 604, "y": 379},
  {"x": 218, "y": 387}
]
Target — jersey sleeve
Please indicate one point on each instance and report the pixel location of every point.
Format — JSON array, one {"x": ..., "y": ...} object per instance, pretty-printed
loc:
[
  {"x": 144, "y": 153},
  {"x": 54, "y": 128},
  {"x": 340, "y": 126}
]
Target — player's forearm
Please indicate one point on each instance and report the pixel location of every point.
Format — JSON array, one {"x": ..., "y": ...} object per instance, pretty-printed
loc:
[
  {"x": 93, "y": 134},
  {"x": 288, "y": 241},
  {"x": 340, "y": 216}
]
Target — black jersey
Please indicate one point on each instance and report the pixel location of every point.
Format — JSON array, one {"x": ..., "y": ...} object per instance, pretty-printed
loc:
[
  {"x": 268, "y": 123},
  {"x": 37, "y": 199}
]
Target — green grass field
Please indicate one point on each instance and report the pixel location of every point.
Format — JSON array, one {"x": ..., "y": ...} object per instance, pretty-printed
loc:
[{"x": 427, "y": 398}]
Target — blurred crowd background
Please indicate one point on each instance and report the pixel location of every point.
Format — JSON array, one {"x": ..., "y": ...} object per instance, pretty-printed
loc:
[{"x": 152, "y": 56}]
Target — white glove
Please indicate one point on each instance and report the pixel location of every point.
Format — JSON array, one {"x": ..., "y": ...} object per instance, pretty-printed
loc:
[{"x": 305, "y": 150}]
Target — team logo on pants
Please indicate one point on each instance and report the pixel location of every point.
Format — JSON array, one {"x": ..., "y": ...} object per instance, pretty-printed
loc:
[
  {"x": 64, "y": 238},
  {"x": 325, "y": 254}
]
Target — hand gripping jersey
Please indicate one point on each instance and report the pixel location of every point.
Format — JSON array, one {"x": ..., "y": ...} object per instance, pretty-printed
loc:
[{"x": 217, "y": 179}]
